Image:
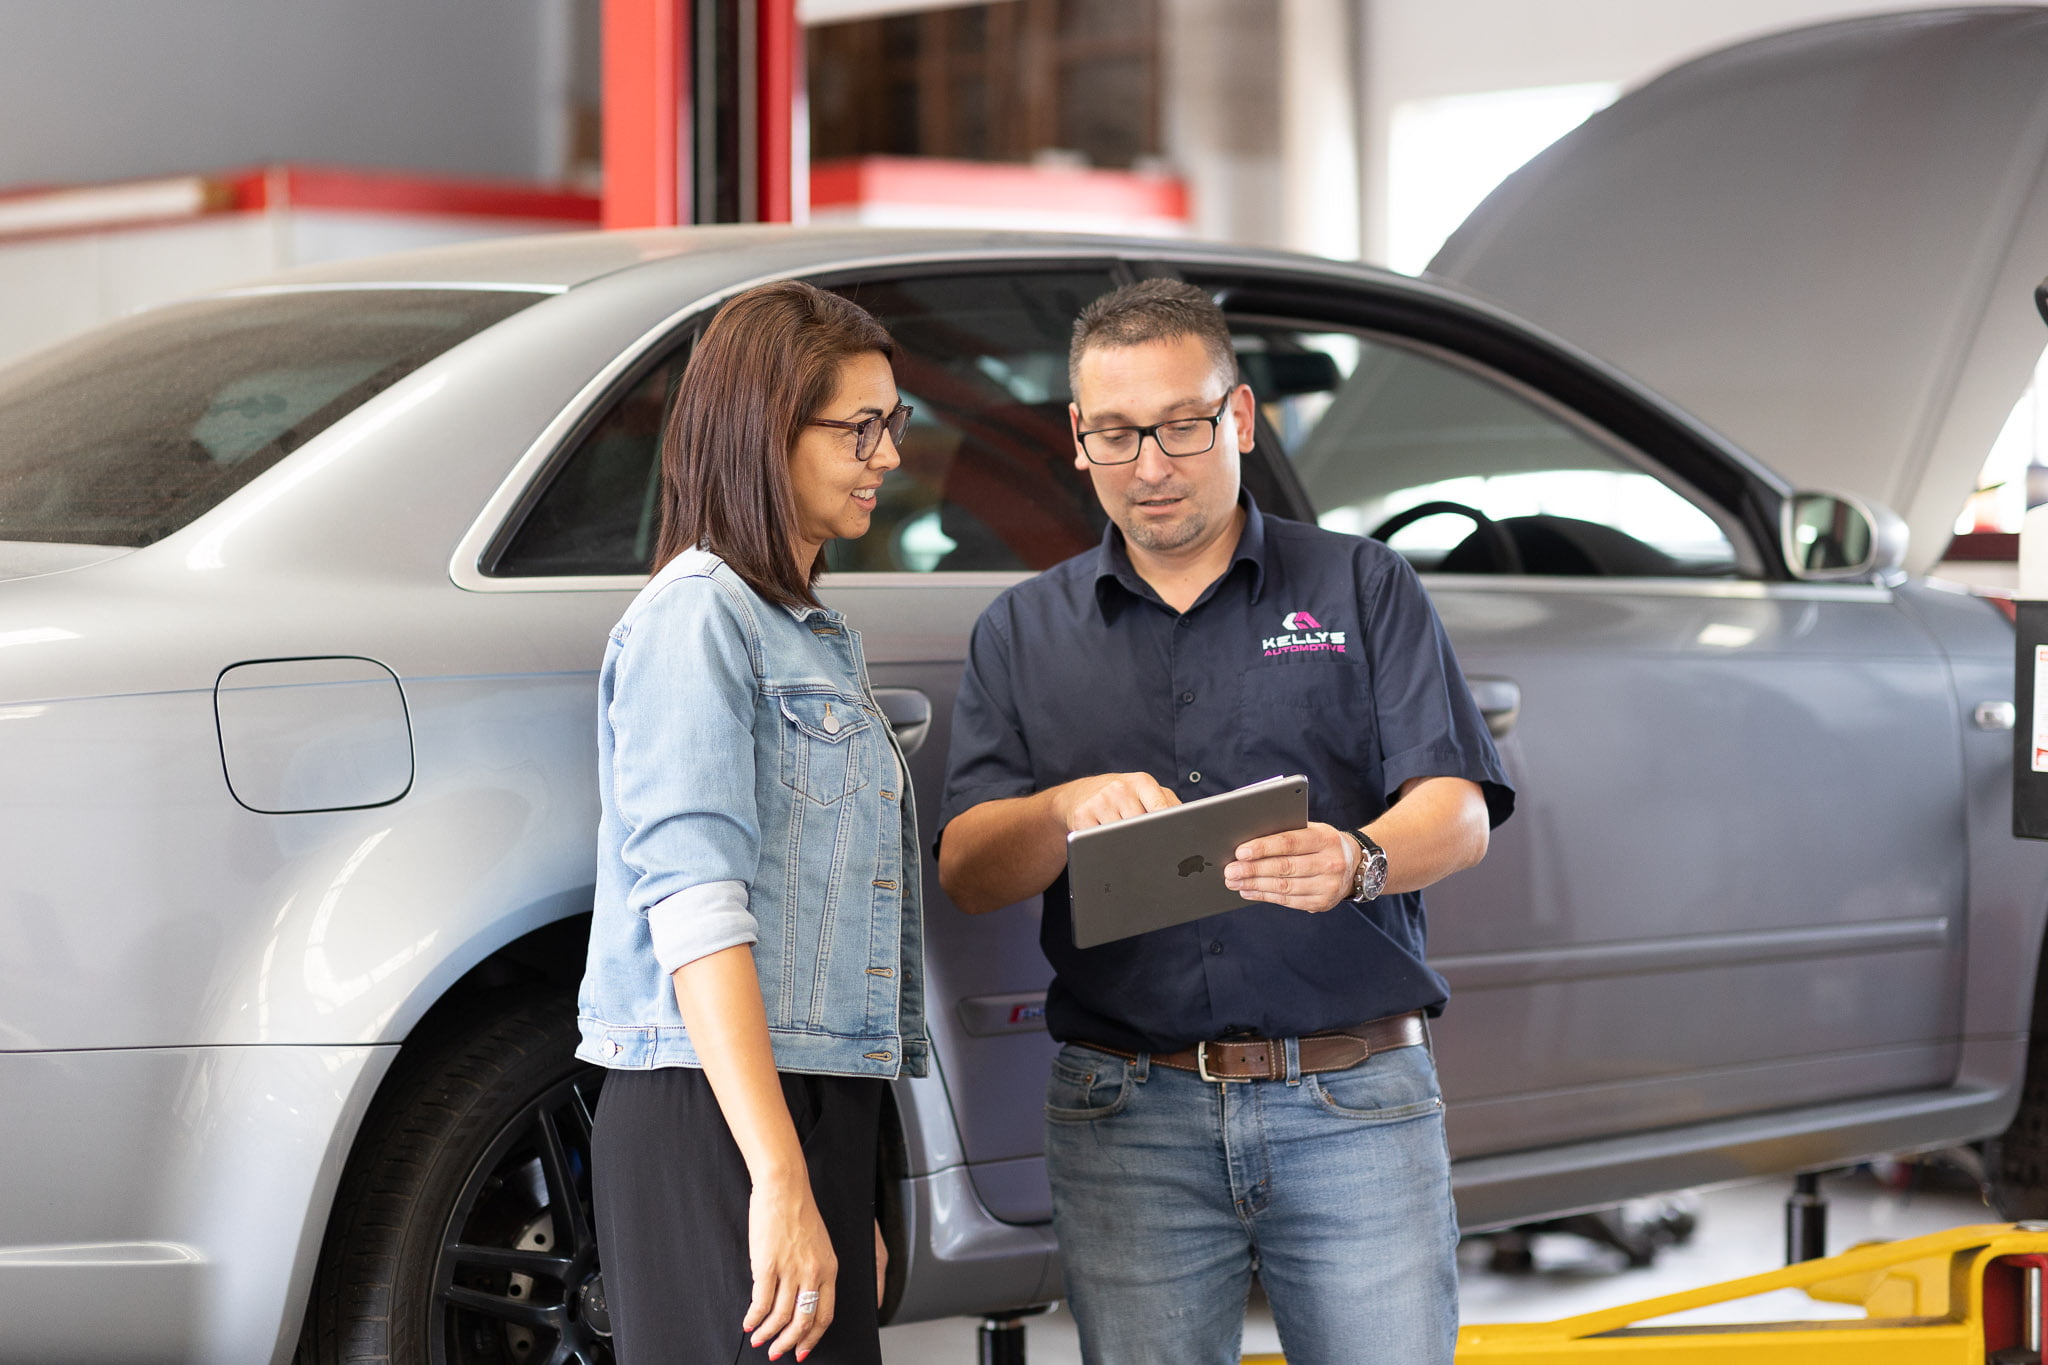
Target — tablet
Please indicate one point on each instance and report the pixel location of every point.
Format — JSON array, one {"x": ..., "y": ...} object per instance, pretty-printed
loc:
[{"x": 1165, "y": 867}]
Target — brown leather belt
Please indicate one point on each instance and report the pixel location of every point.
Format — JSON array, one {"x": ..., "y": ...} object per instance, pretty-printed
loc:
[{"x": 1265, "y": 1059}]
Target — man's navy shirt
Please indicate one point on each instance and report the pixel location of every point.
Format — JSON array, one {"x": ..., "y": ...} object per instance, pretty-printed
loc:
[{"x": 1315, "y": 653}]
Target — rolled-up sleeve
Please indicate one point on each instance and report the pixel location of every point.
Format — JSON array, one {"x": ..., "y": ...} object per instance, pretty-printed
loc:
[
  {"x": 1429, "y": 724},
  {"x": 680, "y": 701},
  {"x": 988, "y": 759}
]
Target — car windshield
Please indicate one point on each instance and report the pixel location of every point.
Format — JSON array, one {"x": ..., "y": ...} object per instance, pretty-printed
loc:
[{"x": 128, "y": 433}]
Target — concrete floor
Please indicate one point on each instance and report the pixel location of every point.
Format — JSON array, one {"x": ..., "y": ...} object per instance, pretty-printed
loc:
[{"x": 1740, "y": 1232}]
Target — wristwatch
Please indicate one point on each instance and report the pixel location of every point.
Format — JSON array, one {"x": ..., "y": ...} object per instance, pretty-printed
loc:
[{"x": 1371, "y": 877}]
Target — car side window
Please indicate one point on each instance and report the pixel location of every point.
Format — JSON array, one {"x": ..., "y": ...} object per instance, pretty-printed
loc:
[
  {"x": 1461, "y": 472},
  {"x": 601, "y": 511},
  {"x": 988, "y": 479}
]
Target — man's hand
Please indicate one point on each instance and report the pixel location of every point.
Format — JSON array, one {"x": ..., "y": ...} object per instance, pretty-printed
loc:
[
  {"x": 1307, "y": 869},
  {"x": 1001, "y": 851},
  {"x": 1091, "y": 801}
]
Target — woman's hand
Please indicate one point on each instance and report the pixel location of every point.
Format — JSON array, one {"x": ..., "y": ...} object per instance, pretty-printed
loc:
[
  {"x": 791, "y": 1254},
  {"x": 881, "y": 1264}
]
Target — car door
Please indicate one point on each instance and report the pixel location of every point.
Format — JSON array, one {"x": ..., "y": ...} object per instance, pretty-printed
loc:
[
  {"x": 1734, "y": 880},
  {"x": 987, "y": 495}
]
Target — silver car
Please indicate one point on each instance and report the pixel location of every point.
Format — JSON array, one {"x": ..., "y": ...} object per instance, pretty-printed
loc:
[{"x": 305, "y": 586}]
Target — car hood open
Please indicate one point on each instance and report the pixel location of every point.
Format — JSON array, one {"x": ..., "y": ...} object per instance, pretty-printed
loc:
[{"x": 1823, "y": 243}]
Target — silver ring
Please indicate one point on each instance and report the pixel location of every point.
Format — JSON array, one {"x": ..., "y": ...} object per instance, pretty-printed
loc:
[{"x": 807, "y": 1301}]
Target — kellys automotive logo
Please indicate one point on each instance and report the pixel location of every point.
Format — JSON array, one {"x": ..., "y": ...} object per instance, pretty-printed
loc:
[{"x": 1305, "y": 635}]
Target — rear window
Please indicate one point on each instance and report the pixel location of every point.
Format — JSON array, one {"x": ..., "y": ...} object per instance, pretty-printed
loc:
[{"x": 130, "y": 432}]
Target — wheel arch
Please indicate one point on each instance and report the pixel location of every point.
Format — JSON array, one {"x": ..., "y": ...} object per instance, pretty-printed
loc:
[{"x": 547, "y": 959}]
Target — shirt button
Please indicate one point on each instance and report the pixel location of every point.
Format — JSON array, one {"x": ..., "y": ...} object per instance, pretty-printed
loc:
[
  {"x": 1194, "y": 777},
  {"x": 1187, "y": 696},
  {"x": 1215, "y": 948},
  {"x": 1182, "y": 623}
]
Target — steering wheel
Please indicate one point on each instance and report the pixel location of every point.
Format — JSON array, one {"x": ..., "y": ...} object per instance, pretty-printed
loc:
[{"x": 1507, "y": 556}]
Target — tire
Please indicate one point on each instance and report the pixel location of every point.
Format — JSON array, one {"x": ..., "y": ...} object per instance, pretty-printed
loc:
[
  {"x": 461, "y": 1234},
  {"x": 2016, "y": 1161}
]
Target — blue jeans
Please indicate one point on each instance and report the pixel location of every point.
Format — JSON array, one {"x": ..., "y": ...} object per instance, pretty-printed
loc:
[{"x": 1170, "y": 1191}]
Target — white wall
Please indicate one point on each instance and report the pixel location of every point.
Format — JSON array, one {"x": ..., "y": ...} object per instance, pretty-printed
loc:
[
  {"x": 51, "y": 287},
  {"x": 108, "y": 89},
  {"x": 1419, "y": 49},
  {"x": 1220, "y": 125}
]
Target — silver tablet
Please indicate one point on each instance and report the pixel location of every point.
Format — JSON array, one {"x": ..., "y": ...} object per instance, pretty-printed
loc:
[{"x": 1166, "y": 867}]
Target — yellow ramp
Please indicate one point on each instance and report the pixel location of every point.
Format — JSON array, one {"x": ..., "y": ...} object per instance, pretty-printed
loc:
[
  {"x": 1968, "y": 1296},
  {"x": 1950, "y": 1297}
]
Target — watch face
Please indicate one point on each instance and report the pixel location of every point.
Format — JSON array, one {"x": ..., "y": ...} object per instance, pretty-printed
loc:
[
  {"x": 1372, "y": 871},
  {"x": 1371, "y": 875}
]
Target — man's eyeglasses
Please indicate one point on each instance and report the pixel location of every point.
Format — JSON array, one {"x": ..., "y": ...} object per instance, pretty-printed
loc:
[
  {"x": 1181, "y": 436},
  {"x": 868, "y": 434}
]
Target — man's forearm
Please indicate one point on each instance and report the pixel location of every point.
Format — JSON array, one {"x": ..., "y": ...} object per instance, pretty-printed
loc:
[
  {"x": 1437, "y": 827},
  {"x": 1000, "y": 852}
]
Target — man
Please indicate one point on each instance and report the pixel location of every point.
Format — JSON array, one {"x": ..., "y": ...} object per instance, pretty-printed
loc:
[{"x": 1200, "y": 647}]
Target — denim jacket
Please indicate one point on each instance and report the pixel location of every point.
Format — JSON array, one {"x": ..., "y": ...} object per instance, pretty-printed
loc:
[{"x": 752, "y": 792}]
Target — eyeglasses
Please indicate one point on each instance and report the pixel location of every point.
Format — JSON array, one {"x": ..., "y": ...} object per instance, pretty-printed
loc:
[
  {"x": 1181, "y": 436},
  {"x": 868, "y": 433}
]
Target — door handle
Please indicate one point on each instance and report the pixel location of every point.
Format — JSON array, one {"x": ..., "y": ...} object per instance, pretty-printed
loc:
[
  {"x": 909, "y": 713},
  {"x": 1500, "y": 701}
]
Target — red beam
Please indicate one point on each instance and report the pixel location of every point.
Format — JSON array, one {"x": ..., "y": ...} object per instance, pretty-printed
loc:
[
  {"x": 645, "y": 51},
  {"x": 780, "y": 45},
  {"x": 404, "y": 192}
]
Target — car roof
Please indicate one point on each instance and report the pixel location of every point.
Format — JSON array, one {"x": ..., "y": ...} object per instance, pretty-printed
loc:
[{"x": 554, "y": 262}]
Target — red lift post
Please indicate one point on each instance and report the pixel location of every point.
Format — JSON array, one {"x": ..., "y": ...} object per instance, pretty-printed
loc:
[{"x": 700, "y": 111}]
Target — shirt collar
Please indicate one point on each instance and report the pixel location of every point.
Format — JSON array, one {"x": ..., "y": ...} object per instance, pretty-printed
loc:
[
  {"x": 804, "y": 613},
  {"x": 1113, "y": 568}
]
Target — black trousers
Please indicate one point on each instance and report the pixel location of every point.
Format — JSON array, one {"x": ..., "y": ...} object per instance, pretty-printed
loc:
[{"x": 671, "y": 1193}]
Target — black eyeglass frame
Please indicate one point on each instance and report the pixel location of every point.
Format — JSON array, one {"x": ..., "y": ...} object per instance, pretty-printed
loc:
[
  {"x": 868, "y": 431},
  {"x": 1215, "y": 420}
]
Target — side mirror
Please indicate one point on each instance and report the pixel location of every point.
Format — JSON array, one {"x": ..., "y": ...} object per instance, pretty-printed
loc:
[{"x": 1831, "y": 537}]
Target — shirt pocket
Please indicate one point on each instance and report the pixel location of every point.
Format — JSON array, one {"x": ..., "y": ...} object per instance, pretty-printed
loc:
[
  {"x": 1296, "y": 715},
  {"x": 825, "y": 745}
]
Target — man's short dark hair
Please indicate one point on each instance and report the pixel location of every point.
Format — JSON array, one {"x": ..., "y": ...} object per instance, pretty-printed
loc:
[{"x": 1153, "y": 310}]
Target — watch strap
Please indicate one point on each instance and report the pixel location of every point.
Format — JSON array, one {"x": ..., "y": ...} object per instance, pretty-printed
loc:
[{"x": 1364, "y": 885}]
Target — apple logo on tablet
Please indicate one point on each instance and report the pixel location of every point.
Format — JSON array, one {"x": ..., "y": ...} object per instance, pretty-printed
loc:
[{"x": 1194, "y": 863}]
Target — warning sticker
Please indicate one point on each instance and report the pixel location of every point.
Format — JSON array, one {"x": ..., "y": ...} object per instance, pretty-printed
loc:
[{"x": 2041, "y": 708}]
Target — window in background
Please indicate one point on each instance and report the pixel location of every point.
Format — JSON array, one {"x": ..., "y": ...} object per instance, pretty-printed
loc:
[
  {"x": 1445, "y": 155},
  {"x": 1010, "y": 81}
]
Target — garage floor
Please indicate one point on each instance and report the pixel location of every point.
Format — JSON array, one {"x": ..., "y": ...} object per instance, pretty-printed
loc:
[{"x": 1740, "y": 1232}]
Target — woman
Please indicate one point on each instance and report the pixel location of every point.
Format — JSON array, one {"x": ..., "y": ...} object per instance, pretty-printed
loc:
[{"x": 755, "y": 973}]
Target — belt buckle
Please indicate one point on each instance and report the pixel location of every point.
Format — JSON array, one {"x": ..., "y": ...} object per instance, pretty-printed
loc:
[{"x": 1202, "y": 1066}]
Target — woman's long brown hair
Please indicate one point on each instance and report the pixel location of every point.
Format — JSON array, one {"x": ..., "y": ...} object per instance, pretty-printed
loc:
[{"x": 767, "y": 364}]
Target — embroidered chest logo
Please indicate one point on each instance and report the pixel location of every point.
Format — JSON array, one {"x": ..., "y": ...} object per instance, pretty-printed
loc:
[{"x": 1304, "y": 635}]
